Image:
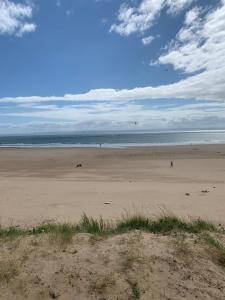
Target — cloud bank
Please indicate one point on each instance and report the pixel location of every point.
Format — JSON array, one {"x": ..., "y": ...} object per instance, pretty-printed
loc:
[{"x": 117, "y": 116}]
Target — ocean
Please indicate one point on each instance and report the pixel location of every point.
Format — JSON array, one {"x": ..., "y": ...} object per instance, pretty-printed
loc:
[{"x": 114, "y": 140}]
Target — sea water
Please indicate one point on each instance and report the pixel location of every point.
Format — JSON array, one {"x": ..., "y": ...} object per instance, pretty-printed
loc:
[{"x": 114, "y": 139}]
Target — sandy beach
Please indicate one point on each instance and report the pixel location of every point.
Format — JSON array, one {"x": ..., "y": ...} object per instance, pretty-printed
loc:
[
  {"x": 162, "y": 258},
  {"x": 44, "y": 185}
]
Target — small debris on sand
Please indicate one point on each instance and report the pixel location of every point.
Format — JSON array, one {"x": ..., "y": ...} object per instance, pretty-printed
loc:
[
  {"x": 187, "y": 194},
  {"x": 53, "y": 295},
  {"x": 107, "y": 203},
  {"x": 79, "y": 166},
  {"x": 205, "y": 191}
]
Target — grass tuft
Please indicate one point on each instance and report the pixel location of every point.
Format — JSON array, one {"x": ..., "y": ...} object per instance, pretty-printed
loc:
[
  {"x": 134, "y": 289},
  {"x": 11, "y": 232},
  {"x": 93, "y": 226},
  {"x": 167, "y": 224},
  {"x": 133, "y": 223},
  {"x": 202, "y": 225},
  {"x": 219, "y": 247},
  {"x": 62, "y": 233}
]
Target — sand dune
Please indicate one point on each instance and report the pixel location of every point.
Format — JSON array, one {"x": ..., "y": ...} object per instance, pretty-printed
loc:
[{"x": 130, "y": 266}]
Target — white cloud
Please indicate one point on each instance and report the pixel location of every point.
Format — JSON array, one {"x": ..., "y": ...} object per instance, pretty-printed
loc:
[
  {"x": 139, "y": 19},
  {"x": 200, "y": 45},
  {"x": 25, "y": 28},
  {"x": 13, "y": 18},
  {"x": 175, "y": 6},
  {"x": 147, "y": 40},
  {"x": 192, "y": 15}
]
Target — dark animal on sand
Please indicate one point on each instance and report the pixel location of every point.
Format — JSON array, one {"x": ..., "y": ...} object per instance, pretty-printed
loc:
[
  {"x": 171, "y": 164},
  {"x": 79, "y": 166}
]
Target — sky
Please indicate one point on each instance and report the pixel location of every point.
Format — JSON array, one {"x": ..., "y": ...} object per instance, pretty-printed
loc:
[{"x": 74, "y": 65}]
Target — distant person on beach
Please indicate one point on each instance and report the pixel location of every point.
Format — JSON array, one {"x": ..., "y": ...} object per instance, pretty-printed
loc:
[{"x": 171, "y": 164}]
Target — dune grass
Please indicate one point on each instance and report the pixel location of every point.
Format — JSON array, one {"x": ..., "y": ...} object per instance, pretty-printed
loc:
[
  {"x": 62, "y": 234},
  {"x": 217, "y": 247},
  {"x": 94, "y": 226},
  {"x": 11, "y": 232},
  {"x": 165, "y": 224}
]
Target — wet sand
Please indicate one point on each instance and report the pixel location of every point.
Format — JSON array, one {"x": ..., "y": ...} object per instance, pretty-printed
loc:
[{"x": 42, "y": 185}]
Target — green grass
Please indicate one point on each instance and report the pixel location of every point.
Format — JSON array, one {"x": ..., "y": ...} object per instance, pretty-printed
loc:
[
  {"x": 11, "y": 232},
  {"x": 134, "y": 290},
  {"x": 164, "y": 225},
  {"x": 219, "y": 249},
  {"x": 94, "y": 226},
  {"x": 201, "y": 225}
]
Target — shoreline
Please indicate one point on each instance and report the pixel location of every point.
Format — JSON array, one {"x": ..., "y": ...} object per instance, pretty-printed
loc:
[{"x": 106, "y": 146}]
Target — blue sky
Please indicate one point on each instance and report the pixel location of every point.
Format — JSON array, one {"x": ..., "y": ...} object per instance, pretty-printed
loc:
[{"x": 69, "y": 65}]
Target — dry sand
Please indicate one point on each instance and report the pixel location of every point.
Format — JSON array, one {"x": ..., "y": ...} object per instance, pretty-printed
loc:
[
  {"x": 42, "y": 185},
  {"x": 131, "y": 266}
]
